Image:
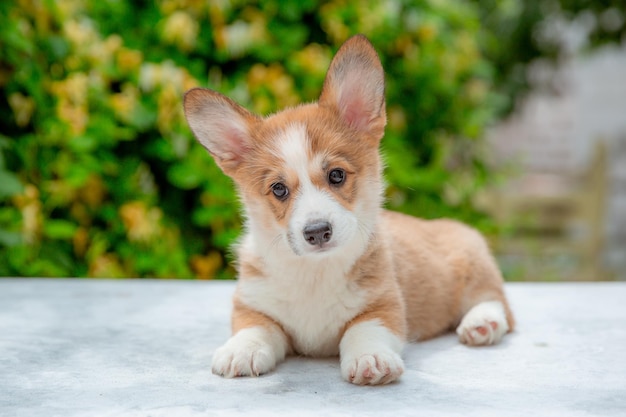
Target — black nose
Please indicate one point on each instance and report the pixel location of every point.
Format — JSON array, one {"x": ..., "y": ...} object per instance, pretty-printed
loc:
[{"x": 317, "y": 233}]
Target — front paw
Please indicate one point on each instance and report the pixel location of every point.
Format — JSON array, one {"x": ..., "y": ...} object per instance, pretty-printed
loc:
[
  {"x": 372, "y": 369},
  {"x": 370, "y": 354},
  {"x": 245, "y": 354}
]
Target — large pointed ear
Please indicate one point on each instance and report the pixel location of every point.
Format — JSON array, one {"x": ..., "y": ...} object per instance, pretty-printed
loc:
[
  {"x": 355, "y": 87},
  {"x": 220, "y": 125}
]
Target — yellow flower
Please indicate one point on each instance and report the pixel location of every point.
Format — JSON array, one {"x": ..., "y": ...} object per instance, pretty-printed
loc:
[
  {"x": 403, "y": 43},
  {"x": 93, "y": 192},
  {"x": 257, "y": 75},
  {"x": 166, "y": 74},
  {"x": 128, "y": 60},
  {"x": 88, "y": 44},
  {"x": 75, "y": 87},
  {"x": 277, "y": 81},
  {"x": 73, "y": 63},
  {"x": 141, "y": 223},
  {"x": 149, "y": 76},
  {"x": 72, "y": 103},
  {"x": 188, "y": 81},
  {"x": 80, "y": 33},
  {"x": 32, "y": 219},
  {"x": 195, "y": 7},
  {"x": 60, "y": 192},
  {"x": 106, "y": 266},
  {"x": 39, "y": 11},
  {"x": 65, "y": 8},
  {"x": 336, "y": 29},
  {"x": 76, "y": 116},
  {"x": 168, "y": 6},
  {"x": 332, "y": 22},
  {"x": 315, "y": 58},
  {"x": 217, "y": 11},
  {"x": 169, "y": 109},
  {"x": 112, "y": 44},
  {"x": 205, "y": 267},
  {"x": 281, "y": 83},
  {"x": 80, "y": 213},
  {"x": 181, "y": 29},
  {"x": 239, "y": 36},
  {"x": 397, "y": 118},
  {"x": 171, "y": 75},
  {"x": 235, "y": 37},
  {"x": 23, "y": 108},
  {"x": 125, "y": 102},
  {"x": 80, "y": 241},
  {"x": 427, "y": 32},
  {"x": 373, "y": 15}
]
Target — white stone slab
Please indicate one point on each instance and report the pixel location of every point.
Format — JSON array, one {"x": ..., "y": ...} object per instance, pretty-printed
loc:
[{"x": 143, "y": 348}]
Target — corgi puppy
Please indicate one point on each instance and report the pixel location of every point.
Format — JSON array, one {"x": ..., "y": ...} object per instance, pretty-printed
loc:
[{"x": 323, "y": 269}]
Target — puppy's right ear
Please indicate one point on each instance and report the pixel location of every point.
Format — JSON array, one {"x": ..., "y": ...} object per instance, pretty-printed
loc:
[{"x": 220, "y": 125}]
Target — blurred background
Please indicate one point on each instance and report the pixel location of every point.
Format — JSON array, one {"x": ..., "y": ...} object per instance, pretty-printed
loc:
[{"x": 509, "y": 115}]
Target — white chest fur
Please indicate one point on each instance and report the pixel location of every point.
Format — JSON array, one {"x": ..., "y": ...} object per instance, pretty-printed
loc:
[{"x": 312, "y": 300}]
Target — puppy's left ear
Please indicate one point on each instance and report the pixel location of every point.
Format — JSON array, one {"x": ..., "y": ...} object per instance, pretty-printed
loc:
[
  {"x": 222, "y": 126},
  {"x": 355, "y": 87}
]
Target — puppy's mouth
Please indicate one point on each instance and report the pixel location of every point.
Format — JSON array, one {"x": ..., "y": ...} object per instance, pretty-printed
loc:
[{"x": 322, "y": 248}]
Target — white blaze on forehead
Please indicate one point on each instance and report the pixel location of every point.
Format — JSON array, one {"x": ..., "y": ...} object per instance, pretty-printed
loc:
[{"x": 294, "y": 150}]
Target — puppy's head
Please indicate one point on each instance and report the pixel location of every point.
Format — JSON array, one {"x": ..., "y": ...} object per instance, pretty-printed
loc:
[{"x": 310, "y": 176}]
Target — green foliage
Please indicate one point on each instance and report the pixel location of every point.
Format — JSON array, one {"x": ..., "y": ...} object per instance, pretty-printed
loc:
[{"x": 99, "y": 174}]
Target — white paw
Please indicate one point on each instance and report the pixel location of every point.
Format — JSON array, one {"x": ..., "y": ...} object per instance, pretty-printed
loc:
[
  {"x": 247, "y": 353},
  {"x": 484, "y": 324},
  {"x": 372, "y": 369},
  {"x": 370, "y": 354}
]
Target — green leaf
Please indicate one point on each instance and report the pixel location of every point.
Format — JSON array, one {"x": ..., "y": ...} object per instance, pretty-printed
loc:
[
  {"x": 10, "y": 238},
  {"x": 185, "y": 176},
  {"x": 59, "y": 229},
  {"x": 10, "y": 184}
]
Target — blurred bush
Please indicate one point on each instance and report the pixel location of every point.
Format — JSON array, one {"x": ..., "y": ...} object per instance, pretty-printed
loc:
[{"x": 101, "y": 177}]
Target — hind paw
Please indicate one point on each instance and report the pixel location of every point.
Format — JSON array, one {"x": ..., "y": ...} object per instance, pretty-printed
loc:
[{"x": 484, "y": 324}]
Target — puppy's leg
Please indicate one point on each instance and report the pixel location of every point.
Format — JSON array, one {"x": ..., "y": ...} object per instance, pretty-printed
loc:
[
  {"x": 370, "y": 353},
  {"x": 258, "y": 344},
  {"x": 486, "y": 313}
]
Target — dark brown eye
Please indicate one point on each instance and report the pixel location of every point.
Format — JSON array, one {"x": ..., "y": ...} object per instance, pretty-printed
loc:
[
  {"x": 336, "y": 176},
  {"x": 280, "y": 190}
]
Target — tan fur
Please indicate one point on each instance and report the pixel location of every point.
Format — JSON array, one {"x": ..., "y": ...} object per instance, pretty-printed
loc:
[
  {"x": 444, "y": 268},
  {"x": 374, "y": 272}
]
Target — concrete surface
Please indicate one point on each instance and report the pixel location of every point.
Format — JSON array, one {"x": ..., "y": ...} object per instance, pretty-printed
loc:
[{"x": 143, "y": 348}]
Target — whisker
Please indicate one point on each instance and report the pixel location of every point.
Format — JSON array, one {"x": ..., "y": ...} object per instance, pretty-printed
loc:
[
  {"x": 274, "y": 243},
  {"x": 366, "y": 232}
]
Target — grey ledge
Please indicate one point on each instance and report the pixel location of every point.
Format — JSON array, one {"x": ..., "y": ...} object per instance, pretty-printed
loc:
[{"x": 143, "y": 348}]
